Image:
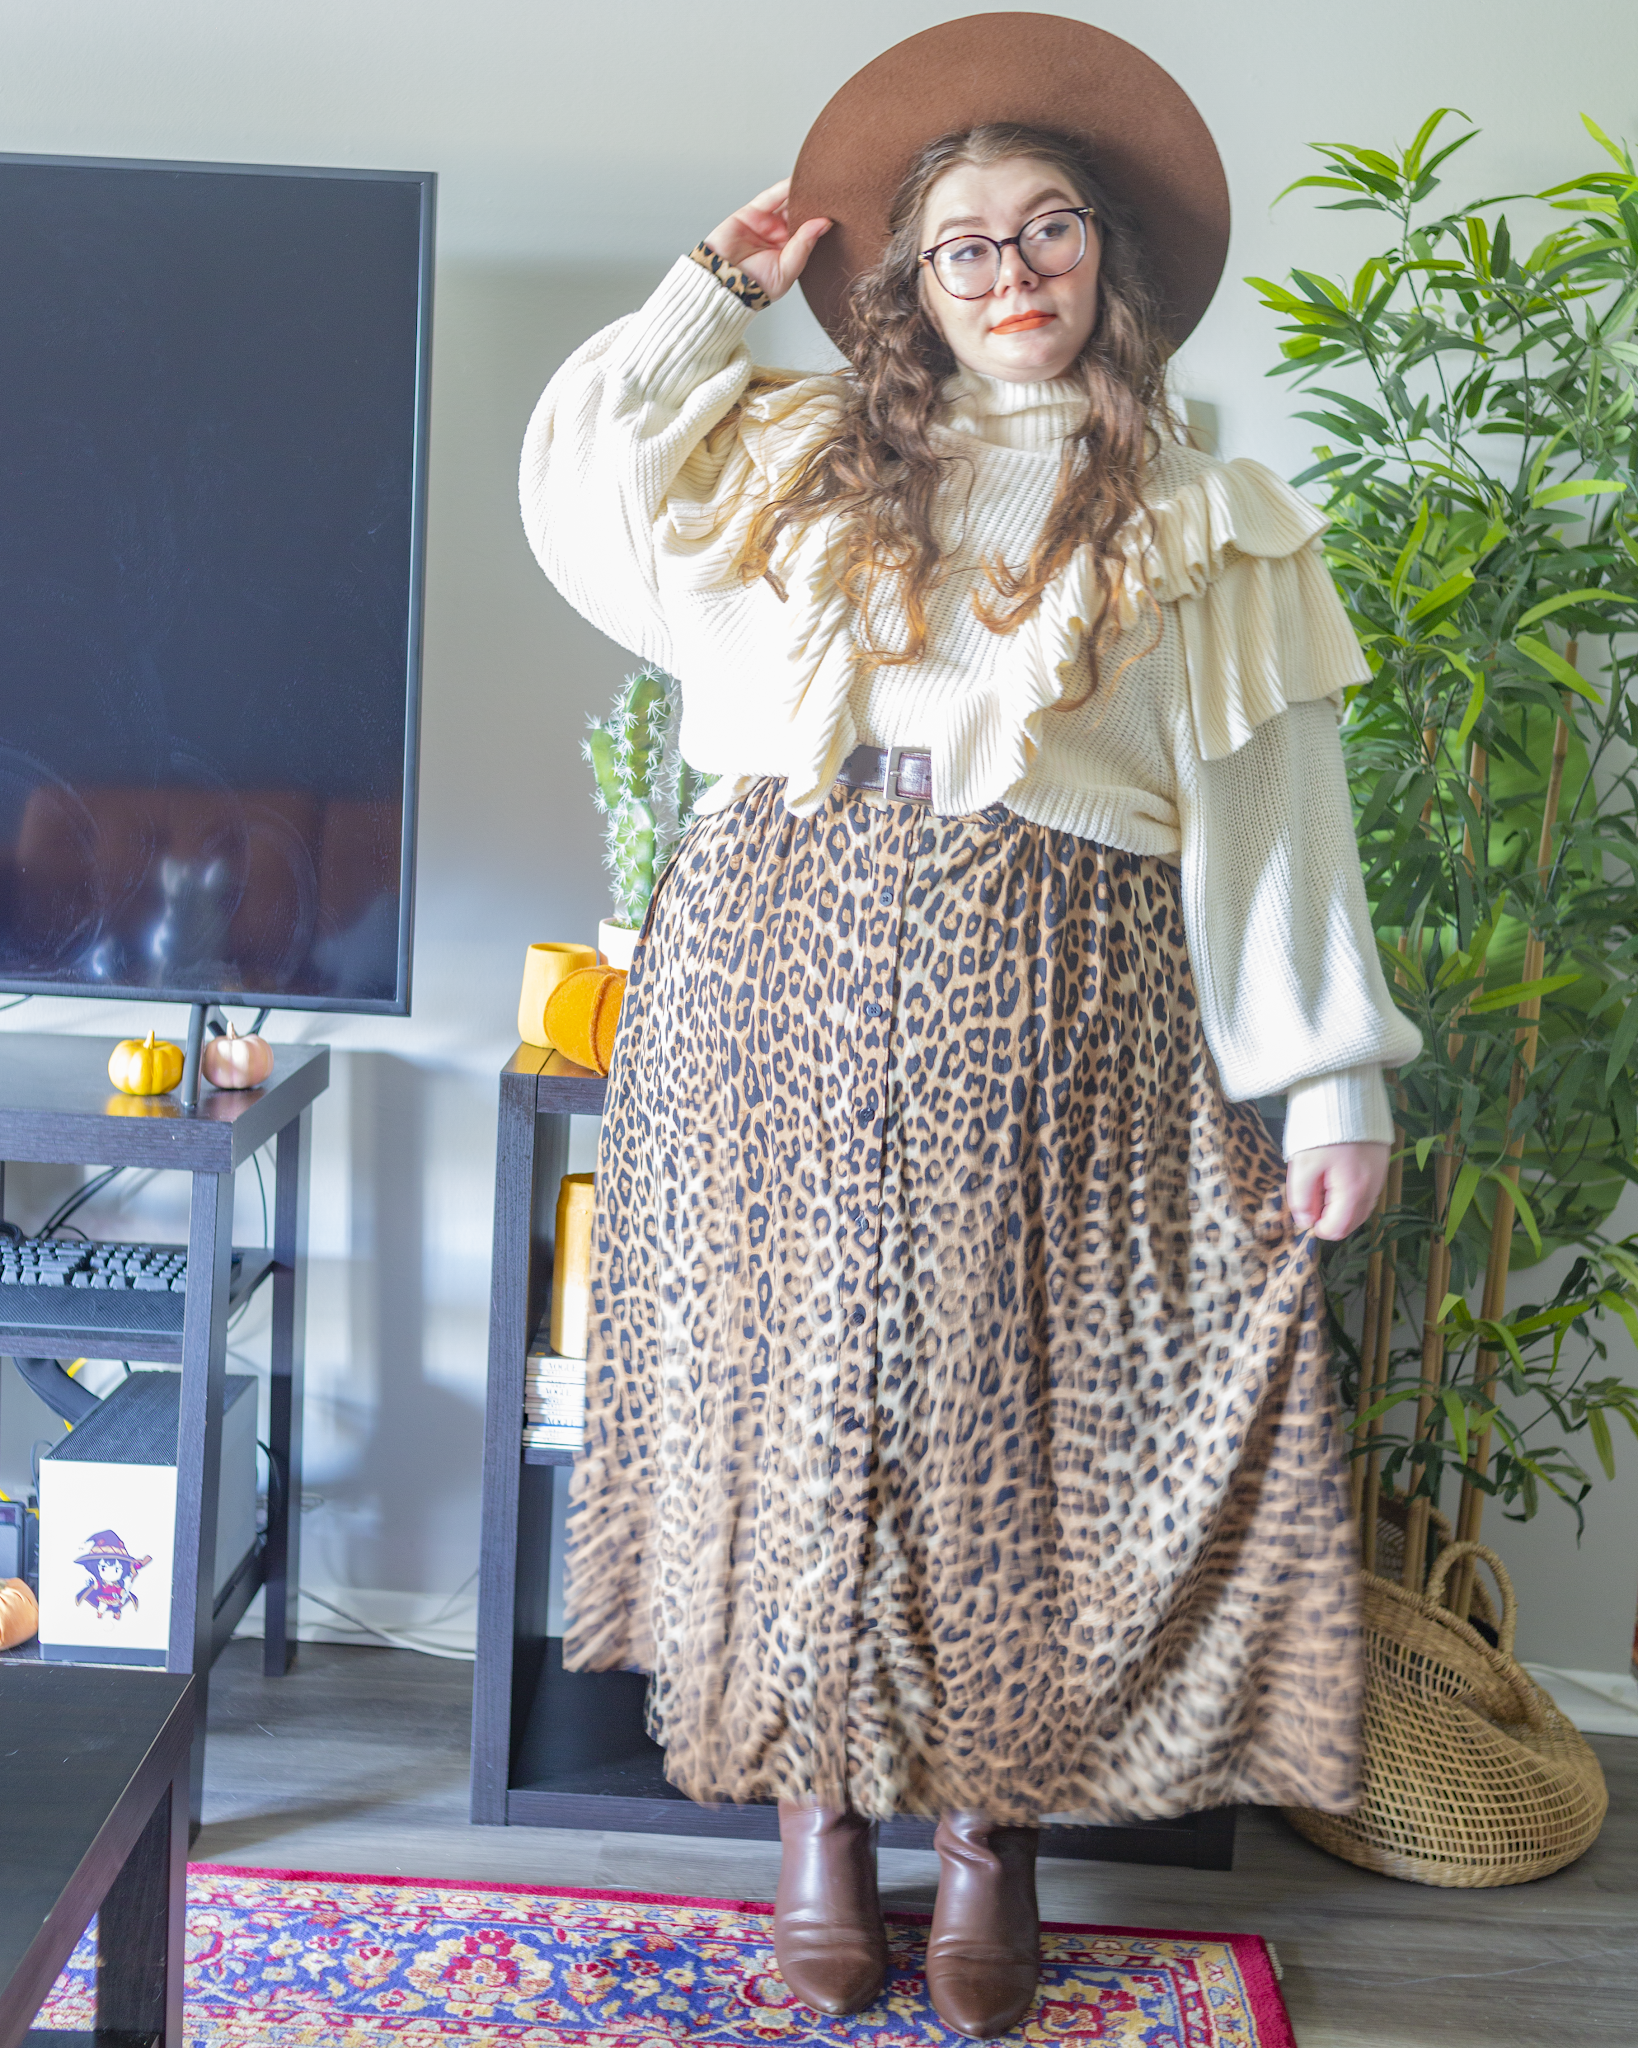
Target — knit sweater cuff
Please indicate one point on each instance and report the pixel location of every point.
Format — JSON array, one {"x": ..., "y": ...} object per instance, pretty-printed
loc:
[
  {"x": 684, "y": 334},
  {"x": 1348, "y": 1108}
]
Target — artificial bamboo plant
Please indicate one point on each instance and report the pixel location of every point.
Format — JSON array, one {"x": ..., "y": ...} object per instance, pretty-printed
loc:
[{"x": 1479, "y": 395}]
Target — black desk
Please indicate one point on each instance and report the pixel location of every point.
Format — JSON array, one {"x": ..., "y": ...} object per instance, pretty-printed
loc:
[
  {"x": 56, "y": 1104},
  {"x": 96, "y": 1821}
]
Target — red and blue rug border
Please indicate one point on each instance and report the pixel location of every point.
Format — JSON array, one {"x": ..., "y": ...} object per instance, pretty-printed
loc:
[{"x": 1250, "y": 1951}]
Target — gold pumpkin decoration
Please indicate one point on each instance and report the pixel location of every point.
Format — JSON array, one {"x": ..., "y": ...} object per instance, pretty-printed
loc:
[
  {"x": 145, "y": 1066},
  {"x": 235, "y": 1062},
  {"x": 583, "y": 1014}
]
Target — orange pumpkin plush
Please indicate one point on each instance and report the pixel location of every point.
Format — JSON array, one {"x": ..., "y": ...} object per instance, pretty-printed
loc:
[
  {"x": 583, "y": 1014},
  {"x": 19, "y": 1613}
]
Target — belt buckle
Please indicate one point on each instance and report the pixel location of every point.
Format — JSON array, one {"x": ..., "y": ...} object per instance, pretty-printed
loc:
[{"x": 890, "y": 779}]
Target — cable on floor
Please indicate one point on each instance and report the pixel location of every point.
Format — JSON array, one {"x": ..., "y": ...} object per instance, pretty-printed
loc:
[{"x": 396, "y": 1639}]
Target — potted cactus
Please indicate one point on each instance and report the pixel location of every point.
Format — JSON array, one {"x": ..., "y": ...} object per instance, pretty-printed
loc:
[{"x": 646, "y": 792}]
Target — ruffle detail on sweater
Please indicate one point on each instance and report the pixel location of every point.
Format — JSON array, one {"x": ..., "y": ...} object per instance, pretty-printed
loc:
[
  {"x": 1228, "y": 544},
  {"x": 1263, "y": 627}
]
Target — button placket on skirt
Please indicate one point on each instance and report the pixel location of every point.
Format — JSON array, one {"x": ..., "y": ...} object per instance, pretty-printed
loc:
[{"x": 885, "y": 837}]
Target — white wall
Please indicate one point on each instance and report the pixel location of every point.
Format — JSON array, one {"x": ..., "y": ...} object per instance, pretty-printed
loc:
[{"x": 579, "y": 148}]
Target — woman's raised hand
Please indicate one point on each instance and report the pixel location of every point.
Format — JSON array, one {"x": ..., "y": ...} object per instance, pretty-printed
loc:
[{"x": 760, "y": 241}]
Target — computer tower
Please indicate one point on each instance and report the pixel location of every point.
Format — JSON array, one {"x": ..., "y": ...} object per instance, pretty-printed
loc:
[{"x": 108, "y": 1518}]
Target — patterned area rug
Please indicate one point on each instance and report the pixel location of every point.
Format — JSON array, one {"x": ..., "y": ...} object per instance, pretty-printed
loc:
[{"x": 301, "y": 1959}]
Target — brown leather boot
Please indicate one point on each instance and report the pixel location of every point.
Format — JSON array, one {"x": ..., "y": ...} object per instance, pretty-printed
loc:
[
  {"x": 828, "y": 1932},
  {"x": 984, "y": 1950}
]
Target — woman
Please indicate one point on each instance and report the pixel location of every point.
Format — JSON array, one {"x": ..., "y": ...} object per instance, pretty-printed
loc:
[{"x": 959, "y": 1435}]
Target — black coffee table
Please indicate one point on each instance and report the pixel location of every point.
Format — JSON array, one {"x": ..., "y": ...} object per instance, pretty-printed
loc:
[{"x": 95, "y": 1820}]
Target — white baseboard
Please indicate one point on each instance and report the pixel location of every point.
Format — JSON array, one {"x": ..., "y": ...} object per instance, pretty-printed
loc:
[
  {"x": 437, "y": 1624},
  {"x": 1598, "y": 1702}
]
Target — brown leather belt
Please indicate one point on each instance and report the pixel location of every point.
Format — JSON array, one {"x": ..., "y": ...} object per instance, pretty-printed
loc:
[{"x": 902, "y": 774}]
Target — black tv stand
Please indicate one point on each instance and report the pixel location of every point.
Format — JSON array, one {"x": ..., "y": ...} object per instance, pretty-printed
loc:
[{"x": 56, "y": 1104}]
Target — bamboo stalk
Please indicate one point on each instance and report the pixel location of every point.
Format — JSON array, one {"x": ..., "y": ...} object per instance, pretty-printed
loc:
[
  {"x": 1446, "y": 1166},
  {"x": 1470, "y": 1514},
  {"x": 1394, "y": 1193},
  {"x": 1367, "y": 1348},
  {"x": 1433, "y": 1364}
]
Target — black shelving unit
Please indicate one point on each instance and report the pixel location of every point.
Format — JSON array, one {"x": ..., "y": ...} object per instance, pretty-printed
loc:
[
  {"x": 56, "y": 1105},
  {"x": 556, "y": 1748}
]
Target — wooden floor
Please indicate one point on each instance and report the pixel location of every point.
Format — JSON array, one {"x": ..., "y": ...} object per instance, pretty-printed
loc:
[{"x": 357, "y": 1761}]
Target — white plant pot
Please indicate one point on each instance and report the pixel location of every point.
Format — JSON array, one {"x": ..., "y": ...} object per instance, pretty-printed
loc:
[{"x": 616, "y": 944}]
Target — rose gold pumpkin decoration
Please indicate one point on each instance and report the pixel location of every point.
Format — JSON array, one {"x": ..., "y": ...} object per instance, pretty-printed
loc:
[{"x": 235, "y": 1062}]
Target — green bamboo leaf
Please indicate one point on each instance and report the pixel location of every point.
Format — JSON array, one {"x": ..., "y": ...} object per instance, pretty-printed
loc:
[
  {"x": 1587, "y": 487},
  {"x": 1470, "y": 717},
  {"x": 1445, "y": 593},
  {"x": 1526, "y": 1211},
  {"x": 1518, "y": 992},
  {"x": 1621, "y": 1043},
  {"x": 1603, "y": 141},
  {"x": 1456, "y": 1410},
  {"x": 1501, "y": 1336},
  {"x": 1619, "y": 1305},
  {"x": 1624, "y": 1263},
  {"x": 1568, "y": 597},
  {"x": 1334, "y": 184},
  {"x": 1380, "y": 1408},
  {"x": 1556, "y": 666},
  {"x": 1599, "y": 1429},
  {"x": 1322, "y": 291},
  {"x": 1276, "y": 295},
  {"x": 1424, "y": 135},
  {"x": 1461, "y": 1196},
  {"x": 1325, "y": 468},
  {"x": 1372, "y": 159},
  {"x": 1408, "y": 553}
]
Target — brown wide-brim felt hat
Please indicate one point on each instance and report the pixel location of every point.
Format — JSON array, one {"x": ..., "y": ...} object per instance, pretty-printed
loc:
[{"x": 1146, "y": 140}]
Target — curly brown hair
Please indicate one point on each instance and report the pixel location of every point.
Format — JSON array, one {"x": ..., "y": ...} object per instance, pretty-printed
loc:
[{"x": 879, "y": 471}]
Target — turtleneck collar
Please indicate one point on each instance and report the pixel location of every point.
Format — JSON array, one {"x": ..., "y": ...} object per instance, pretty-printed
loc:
[{"x": 1034, "y": 418}]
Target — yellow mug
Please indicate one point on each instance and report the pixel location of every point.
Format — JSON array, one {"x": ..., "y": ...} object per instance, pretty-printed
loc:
[{"x": 543, "y": 968}]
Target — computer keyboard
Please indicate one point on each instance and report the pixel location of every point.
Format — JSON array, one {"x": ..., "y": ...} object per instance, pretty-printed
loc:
[{"x": 105, "y": 1268}]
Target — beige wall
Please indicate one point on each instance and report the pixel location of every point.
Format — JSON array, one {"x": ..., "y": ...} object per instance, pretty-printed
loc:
[{"x": 579, "y": 147}]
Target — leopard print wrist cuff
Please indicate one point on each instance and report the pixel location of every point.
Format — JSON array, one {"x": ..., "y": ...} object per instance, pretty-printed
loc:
[{"x": 736, "y": 281}]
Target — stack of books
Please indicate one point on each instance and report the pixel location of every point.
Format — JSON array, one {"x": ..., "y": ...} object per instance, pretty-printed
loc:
[{"x": 554, "y": 1400}]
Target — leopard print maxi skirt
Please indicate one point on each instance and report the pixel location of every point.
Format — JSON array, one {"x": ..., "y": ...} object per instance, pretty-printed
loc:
[{"x": 959, "y": 1429}]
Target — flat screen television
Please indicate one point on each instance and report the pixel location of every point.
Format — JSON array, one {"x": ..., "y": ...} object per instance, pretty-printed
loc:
[{"x": 213, "y": 432}]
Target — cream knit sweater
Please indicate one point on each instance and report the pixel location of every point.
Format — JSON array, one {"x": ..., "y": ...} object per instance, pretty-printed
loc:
[{"x": 1215, "y": 745}]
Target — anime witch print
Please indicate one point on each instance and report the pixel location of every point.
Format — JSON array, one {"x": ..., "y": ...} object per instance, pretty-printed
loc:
[{"x": 111, "y": 1568}]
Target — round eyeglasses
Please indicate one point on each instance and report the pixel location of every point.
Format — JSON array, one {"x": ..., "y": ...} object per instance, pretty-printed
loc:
[{"x": 969, "y": 266}]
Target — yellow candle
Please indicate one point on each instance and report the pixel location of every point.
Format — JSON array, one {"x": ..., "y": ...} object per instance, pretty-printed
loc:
[{"x": 571, "y": 1266}]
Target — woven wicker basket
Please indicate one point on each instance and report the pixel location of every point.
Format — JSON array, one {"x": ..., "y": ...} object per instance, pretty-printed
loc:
[
  {"x": 1472, "y": 1776},
  {"x": 1391, "y": 1516}
]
